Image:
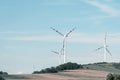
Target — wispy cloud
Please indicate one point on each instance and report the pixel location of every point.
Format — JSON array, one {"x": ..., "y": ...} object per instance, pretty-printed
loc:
[
  {"x": 97, "y": 38},
  {"x": 104, "y": 7},
  {"x": 18, "y": 32},
  {"x": 19, "y": 73},
  {"x": 85, "y": 38},
  {"x": 115, "y": 35},
  {"x": 35, "y": 38},
  {"x": 75, "y": 38},
  {"x": 9, "y": 32}
]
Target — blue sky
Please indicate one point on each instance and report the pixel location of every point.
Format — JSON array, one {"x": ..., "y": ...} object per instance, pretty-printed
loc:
[{"x": 26, "y": 40}]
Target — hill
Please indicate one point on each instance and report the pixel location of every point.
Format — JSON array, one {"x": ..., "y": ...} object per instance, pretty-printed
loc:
[
  {"x": 103, "y": 66},
  {"x": 66, "y": 75},
  {"x": 95, "y": 71}
]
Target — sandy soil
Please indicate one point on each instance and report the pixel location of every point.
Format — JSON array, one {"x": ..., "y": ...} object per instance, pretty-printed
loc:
[{"x": 68, "y": 75}]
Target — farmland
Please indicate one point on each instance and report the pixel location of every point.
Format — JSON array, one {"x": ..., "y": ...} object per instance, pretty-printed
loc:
[
  {"x": 96, "y": 71},
  {"x": 66, "y": 75}
]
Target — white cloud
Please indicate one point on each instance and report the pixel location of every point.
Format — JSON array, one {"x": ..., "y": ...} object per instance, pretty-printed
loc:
[
  {"x": 18, "y": 32},
  {"x": 35, "y": 38},
  {"x": 97, "y": 38},
  {"x": 74, "y": 38},
  {"x": 85, "y": 38},
  {"x": 104, "y": 7},
  {"x": 11, "y": 32},
  {"x": 19, "y": 73},
  {"x": 109, "y": 0},
  {"x": 114, "y": 35}
]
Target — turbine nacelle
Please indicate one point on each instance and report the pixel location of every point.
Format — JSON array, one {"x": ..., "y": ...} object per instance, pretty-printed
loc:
[
  {"x": 105, "y": 49},
  {"x": 66, "y": 35},
  {"x": 100, "y": 48}
]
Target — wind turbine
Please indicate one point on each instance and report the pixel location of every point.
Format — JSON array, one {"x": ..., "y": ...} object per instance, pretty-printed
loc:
[
  {"x": 64, "y": 41},
  {"x": 59, "y": 55},
  {"x": 34, "y": 67},
  {"x": 105, "y": 48}
]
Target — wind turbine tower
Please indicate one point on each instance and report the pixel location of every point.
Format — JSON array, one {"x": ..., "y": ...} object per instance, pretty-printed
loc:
[
  {"x": 105, "y": 48},
  {"x": 59, "y": 56},
  {"x": 64, "y": 41}
]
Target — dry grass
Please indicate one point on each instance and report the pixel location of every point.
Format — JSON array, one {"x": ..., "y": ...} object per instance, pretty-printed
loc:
[{"x": 69, "y": 75}]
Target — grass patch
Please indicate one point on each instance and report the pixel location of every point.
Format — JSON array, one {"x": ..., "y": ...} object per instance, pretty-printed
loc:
[
  {"x": 14, "y": 77},
  {"x": 108, "y": 68},
  {"x": 76, "y": 75}
]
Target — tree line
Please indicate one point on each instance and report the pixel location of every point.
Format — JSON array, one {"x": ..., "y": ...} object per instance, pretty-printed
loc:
[
  {"x": 62, "y": 67},
  {"x": 1, "y": 75}
]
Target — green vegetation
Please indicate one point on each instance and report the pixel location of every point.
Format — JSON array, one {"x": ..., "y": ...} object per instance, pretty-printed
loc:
[
  {"x": 116, "y": 65},
  {"x": 3, "y": 73},
  {"x": 1, "y": 78},
  {"x": 62, "y": 67},
  {"x": 104, "y": 66},
  {"x": 48, "y": 70},
  {"x": 101, "y": 63},
  {"x": 69, "y": 66},
  {"x": 12, "y": 77},
  {"x": 101, "y": 66},
  {"x": 113, "y": 77}
]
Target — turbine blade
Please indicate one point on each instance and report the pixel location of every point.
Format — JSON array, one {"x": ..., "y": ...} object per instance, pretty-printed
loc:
[
  {"x": 57, "y": 31},
  {"x": 70, "y": 32},
  {"x": 108, "y": 51},
  {"x": 98, "y": 48},
  {"x": 55, "y": 52},
  {"x": 105, "y": 38}
]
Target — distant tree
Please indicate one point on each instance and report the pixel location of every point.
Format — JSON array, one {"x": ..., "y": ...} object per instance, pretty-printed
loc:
[
  {"x": 101, "y": 63},
  {"x": 110, "y": 77},
  {"x": 116, "y": 77},
  {"x": 69, "y": 66},
  {"x": 3, "y": 73},
  {"x": 113, "y": 76},
  {"x": 43, "y": 71},
  {"x": 53, "y": 70},
  {"x": 66, "y": 66},
  {"x": 49, "y": 70},
  {"x": 1, "y": 78},
  {"x": 36, "y": 72}
]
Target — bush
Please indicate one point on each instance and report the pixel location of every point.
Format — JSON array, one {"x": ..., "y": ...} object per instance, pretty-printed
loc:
[
  {"x": 69, "y": 66},
  {"x": 110, "y": 77},
  {"x": 66, "y": 66},
  {"x": 36, "y": 72},
  {"x": 47, "y": 70},
  {"x": 1, "y": 78},
  {"x": 3, "y": 73},
  {"x": 116, "y": 77},
  {"x": 101, "y": 63},
  {"x": 54, "y": 70},
  {"x": 113, "y": 77}
]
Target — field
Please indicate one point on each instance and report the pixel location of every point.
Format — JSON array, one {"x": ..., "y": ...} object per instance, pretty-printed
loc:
[
  {"x": 67, "y": 75},
  {"x": 108, "y": 67}
]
